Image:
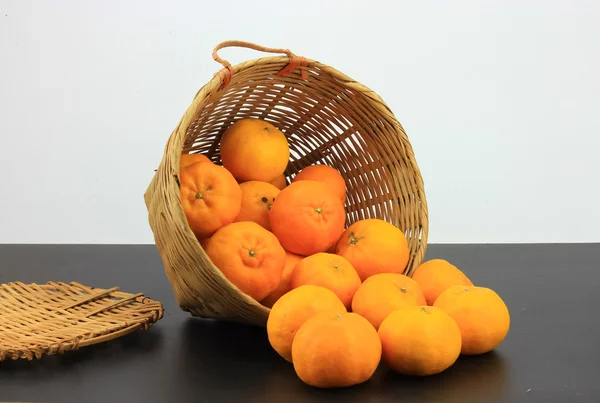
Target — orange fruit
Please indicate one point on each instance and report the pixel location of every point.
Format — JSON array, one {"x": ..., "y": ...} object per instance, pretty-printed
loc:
[
  {"x": 374, "y": 246},
  {"x": 284, "y": 286},
  {"x": 249, "y": 256},
  {"x": 329, "y": 271},
  {"x": 326, "y": 174},
  {"x": 252, "y": 149},
  {"x": 307, "y": 217},
  {"x": 210, "y": 197},
  {"x": 436, "y": 275},
  {"x": 419, "y": 340},
  {"x": 383, "y": 293},
  {"x": 186, "y": 160},
  {"x": 293, "y": 309},
  {"x": 257, "y": 198},
  {"x": 279, "y": 182},
  {"x": 333, "y": 350},
  {"x": 481, "y": 315}
]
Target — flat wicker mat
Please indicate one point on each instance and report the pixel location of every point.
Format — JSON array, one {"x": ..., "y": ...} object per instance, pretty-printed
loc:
[{"x": 38, "y": 320}]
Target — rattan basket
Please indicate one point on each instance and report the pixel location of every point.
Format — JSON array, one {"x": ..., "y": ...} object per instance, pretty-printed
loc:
[{"x": 328, "y": 118}]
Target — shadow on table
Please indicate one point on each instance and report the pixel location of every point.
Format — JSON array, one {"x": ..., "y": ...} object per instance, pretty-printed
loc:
[
  {"x": 234, "y": 361},
  {"x": 224, "y": 361},
  {"x": 217, "y": 342},
  {"x": 105, "y": 354},
  {"x": 471, "y": 378}
]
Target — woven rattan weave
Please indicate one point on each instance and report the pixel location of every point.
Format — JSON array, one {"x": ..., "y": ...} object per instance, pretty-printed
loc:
[{"x": 38, "y": 320}]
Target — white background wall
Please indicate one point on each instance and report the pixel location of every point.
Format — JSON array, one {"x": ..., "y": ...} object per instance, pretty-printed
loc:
[{"x": 501, "y": 101}]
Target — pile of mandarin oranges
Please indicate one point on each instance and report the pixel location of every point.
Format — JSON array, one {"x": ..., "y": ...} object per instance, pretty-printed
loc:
[{"x": 340, "y": 303}]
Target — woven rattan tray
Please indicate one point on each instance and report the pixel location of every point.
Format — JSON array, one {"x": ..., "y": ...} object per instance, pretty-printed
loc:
[{"x": 46, "y": 319}]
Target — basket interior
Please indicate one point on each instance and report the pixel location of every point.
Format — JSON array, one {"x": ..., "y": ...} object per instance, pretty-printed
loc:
[{"x": 327, "y": 120}]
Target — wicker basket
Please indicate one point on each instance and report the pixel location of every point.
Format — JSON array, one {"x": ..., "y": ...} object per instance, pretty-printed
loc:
[{"x": 328, "y": 118}]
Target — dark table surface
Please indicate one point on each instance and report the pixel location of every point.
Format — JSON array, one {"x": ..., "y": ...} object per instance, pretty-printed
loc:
[{"x": 552, "y": 352}]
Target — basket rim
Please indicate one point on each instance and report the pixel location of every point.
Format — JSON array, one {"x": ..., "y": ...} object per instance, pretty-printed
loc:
[{"x": 217, "y": 79}]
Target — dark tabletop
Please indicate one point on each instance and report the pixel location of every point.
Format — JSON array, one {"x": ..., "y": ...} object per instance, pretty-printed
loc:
[{"x": 552, "y": 352}]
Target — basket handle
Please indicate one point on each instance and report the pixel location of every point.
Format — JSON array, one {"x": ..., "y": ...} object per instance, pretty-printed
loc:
[{"x": 227, "y": 71}]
